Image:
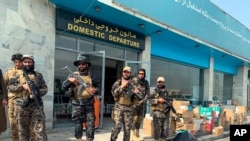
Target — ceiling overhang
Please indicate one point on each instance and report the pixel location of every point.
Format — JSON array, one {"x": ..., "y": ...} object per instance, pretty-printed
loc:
[{"x": 103, "y": 12}]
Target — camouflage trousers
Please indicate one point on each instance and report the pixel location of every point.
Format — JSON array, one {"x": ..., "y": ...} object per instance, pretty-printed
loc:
[
  {"x": 84, "y": 113},
  {"x": 30, "y": 119},
  {"x": 123, "y": 116},
  {"x": 13, "y": 126},
  {"x": 137, "y": 117},
  {"x": 161, "y": 127}
]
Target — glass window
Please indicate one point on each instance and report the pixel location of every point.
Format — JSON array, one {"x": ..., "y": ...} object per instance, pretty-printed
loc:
[
  {"x": 223, "y": 87},
  {"x": 131, "y": 55},
  {"x": 62, "y": 105},
  {"x": 86, "y": 46},
  {"x": 178, "y": 77},
  {"x": 66, "y": 42},
  {"x": 111, "y": 51}
]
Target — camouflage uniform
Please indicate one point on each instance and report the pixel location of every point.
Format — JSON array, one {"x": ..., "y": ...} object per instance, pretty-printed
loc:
[
  {"x": 123, "y": 110},
  {"x": 83, "y": 104},
  {"x": 29, "y": 117},
  {"x": 11, "y": 99},
  {"x": 160, "y": 113},
  {"x": 143, "y": 86}
]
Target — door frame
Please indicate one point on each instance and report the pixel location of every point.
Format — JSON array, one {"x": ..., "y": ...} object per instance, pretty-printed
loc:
[{"x": 146, "y": 66}]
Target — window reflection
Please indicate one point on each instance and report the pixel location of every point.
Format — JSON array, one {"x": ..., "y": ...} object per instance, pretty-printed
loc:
[
  {"x": 111, "y": 51},
  {"x": 131, "y": 55},
  {"x": 86, "y": 46},
  {"x": 66, "y": 42},
  {"x": 178, "y": 77},
  {"x": 223, "y": 87},
  {"x": 62, "y": 105}
]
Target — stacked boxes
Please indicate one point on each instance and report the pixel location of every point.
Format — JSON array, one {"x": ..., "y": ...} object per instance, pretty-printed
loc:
[
  {"x": 213, "y": 119},
  {"x": 148, "y": 128}
]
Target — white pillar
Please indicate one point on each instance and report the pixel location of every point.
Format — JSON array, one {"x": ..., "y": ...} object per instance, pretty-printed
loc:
[
  {"x": 208, "y": 81},
  {"x": 146, "y": 57},
  {"x": 240, "y": 85}
]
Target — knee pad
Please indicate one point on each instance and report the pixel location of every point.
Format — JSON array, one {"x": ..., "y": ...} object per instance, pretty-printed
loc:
[{"x": 78, "y": 130}]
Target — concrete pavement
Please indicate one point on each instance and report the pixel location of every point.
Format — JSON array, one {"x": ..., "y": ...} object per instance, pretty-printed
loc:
[
  {"x": 103, "y": 134},
  {"x": 67, "y": 134}
]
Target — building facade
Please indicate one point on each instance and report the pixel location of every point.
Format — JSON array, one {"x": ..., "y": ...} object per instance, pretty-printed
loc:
[{"x": 201, "y": 51}]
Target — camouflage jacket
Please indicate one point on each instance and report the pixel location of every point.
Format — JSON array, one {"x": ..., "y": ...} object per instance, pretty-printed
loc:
[
  {"x": 143, "y": 86},
  {"x": 16, "y": 82},
  {"x": 153, "y": 98}
]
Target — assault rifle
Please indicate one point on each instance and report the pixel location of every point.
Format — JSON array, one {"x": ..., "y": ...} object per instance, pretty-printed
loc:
[
  {"x": 131, "y": 93},
  {"x": 33, "y": 92},
  {"x": 169, "y": 106},
  {"x": 79, "y": 79}
]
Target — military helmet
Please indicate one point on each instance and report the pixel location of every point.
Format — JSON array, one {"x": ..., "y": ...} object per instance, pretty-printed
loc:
[
  {"x": 83, "y": 59},
  {"x": 16, "y": 56}
]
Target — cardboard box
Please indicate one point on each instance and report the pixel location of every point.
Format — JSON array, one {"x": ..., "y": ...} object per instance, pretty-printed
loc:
[
  {"x": 229, "y": 114},
  {"x": 202, "y": 127},
  {"x": 149, "y": 132},
  {"x": 196, "y": 110},
  {"x": 197, "y": 115},
  {"x": 188, "y": 120},
  {"x": 218, "y": 131},
  {"x": 188, "y": 114},
  {"x": 179, "y": 111},
  {"x": 182, "y": 126},
  {"x": 148, "y": 128},
  {"x": 177, "y": 104},
  {"x": 240, "y": 109}
]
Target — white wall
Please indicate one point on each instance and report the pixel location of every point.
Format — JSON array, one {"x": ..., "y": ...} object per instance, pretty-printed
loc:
[{"x": 28, "y": 27}]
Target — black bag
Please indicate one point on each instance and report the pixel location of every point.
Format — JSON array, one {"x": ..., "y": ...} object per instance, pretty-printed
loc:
[{"x": 184, "y": 136}]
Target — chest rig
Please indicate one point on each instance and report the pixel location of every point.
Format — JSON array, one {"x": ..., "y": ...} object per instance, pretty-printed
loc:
[
  {"x": 125, "y": 98},
  {"x": 84, "y": 94},
  {"x": 160, "y": 93},
  {"x": 22, "y": 80}
]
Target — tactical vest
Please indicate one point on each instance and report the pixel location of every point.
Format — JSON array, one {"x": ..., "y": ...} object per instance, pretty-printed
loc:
[
  {"x": 8, "y": 75},
  {"x": 159, "y": 106},
  {"x": 22, "y": 80},
  {"x": 85, "y": 93},
  {"x": 123, "y": 98}
]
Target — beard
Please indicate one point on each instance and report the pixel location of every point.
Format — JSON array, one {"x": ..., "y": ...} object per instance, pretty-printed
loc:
[{"x": 29, "y": 68}]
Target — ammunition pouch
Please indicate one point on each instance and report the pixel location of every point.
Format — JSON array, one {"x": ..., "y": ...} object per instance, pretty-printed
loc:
[
  {"x": 86, "y": 101},
  {"x": 114, "y": 115},
  {"x": 158, "y": 107},
  {"x": 116, "y": 98},
  {"x": 124, "y": 100},
  {"x": 25, "y": 102}
]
